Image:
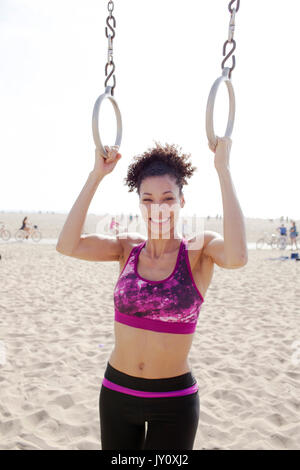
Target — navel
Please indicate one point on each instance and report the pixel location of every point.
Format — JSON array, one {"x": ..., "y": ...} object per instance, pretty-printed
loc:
[{"x": 141, "y": 365}]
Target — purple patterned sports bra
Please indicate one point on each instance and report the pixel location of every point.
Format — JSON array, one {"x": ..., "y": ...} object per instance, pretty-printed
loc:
[{"x": 170, "y": 305}]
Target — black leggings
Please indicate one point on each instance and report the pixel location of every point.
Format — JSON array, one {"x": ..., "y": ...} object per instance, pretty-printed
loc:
[{"x": 171, "y": 421}]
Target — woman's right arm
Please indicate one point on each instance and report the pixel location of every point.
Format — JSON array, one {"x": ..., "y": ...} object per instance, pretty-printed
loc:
[{"x": 96, "y": 247}]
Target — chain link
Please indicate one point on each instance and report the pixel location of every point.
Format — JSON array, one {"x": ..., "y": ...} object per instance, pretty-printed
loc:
[
  {"x": 233, "y": 10},
  {"x": 231, "y": 26},
  {"x": 110, "y": 6},
  {"x": 110, "y": 62},
  {"x": 237, "y": 5}
]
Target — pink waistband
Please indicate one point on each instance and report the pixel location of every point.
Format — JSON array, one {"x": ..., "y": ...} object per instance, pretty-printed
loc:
[{"x": 139, "y": 393}]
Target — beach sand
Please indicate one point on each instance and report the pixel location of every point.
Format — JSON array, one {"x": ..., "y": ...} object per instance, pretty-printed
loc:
[{"x": 57, "y": 333}]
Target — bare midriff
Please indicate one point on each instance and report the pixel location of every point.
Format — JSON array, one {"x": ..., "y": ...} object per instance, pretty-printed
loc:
[{"x": 150, "y": 354}]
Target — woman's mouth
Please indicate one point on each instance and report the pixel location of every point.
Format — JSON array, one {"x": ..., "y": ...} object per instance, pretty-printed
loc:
[{"x": 158, "y": 222}]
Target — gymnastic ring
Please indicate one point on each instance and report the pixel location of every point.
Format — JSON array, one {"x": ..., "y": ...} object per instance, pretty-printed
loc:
[
  {"x": 210, "y": 108},
  {"x": 95, "y": 121}
]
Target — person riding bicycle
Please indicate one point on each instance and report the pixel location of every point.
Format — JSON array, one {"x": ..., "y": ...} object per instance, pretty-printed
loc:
[
  {"x": 114, "y": 225},
  {"x": 283, "y": 230},
  {"x": 26, "y": 226},
  {"x": 283, "y": 236}
]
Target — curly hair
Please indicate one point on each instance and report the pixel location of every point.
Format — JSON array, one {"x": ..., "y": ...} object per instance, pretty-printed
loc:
[{"x": 157, "y": 161}]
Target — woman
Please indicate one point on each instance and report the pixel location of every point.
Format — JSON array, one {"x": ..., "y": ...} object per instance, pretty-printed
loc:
[
  {"x": 114, "y": 225},
  {"x": 293, "y": 235},
  {"x": 25, "y": 226},
  {"x": 158, "y": 295}
]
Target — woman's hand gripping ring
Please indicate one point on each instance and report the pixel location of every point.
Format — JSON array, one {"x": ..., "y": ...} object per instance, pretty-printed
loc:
[
  {"x": 210, "y": 108},
  {"x": 95, "y": 121}
]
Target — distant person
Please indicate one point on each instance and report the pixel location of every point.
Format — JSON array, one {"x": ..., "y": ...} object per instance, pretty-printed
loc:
[
  {"x": 293, "y": 235},
  {"x": 282, "y": 230},
  {"x": 283, "y": 236},
  {"x": 26, "y": 226},
  {"x": 114, "y": 225}
]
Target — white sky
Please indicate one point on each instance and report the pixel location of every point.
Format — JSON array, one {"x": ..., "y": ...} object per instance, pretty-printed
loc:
[{"x": 167, "y": 54}]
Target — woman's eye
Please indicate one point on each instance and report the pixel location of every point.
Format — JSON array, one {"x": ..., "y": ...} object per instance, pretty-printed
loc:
[{"x": 168, "y": 199}]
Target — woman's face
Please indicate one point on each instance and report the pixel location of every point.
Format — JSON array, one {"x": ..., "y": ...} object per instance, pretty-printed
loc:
[{"x": 160, "y": 205}]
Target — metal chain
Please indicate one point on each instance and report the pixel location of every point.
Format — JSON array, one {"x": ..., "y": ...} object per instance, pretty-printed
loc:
[
  {"x": 110, "y": 62},
  {"x": 230, "y": 39}
]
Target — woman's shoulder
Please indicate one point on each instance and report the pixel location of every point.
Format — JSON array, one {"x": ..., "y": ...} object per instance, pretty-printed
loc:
[
  {"x": 199, "y": 240},
  {"x": 196, "y": 244},
  {"x": 130, "y": 240}
]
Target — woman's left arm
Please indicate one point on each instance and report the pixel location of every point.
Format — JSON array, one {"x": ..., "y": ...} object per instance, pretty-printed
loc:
[{"x": 231, "y": 251}]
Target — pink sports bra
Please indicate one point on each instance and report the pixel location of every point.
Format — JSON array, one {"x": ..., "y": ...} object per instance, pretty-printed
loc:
[{"x": 171, "y": 305}]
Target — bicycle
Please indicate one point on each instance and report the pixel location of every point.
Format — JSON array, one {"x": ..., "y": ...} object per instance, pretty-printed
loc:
[
  {"x": 282, "y": 242},
  {"x": 4, "y": 233},
  {"x": 35, "y": 234},
  {"x": 268, "y": 240}
]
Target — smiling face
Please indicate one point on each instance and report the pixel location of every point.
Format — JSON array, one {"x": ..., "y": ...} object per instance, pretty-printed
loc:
[{"x": 160, "y": 203}]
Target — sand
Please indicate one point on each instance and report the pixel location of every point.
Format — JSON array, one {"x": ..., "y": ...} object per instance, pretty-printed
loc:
[{"x": 56, "y": 329}]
